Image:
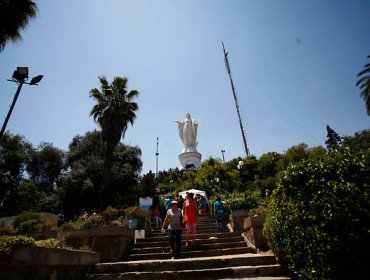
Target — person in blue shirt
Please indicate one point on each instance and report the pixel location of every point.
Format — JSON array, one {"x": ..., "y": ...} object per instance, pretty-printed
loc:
[
  {"x": 219, "y": 212},
  {"x": 168, "y": 202},
  {"x": 203, "y": 205}
]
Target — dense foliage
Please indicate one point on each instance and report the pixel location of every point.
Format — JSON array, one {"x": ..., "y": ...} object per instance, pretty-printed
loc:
[
  {"x": 14, "y": 242},
  {"x": 31, "y": 222},
  {"x": 333, "y": 140},
  {"x": 82, "y": 187},
  {"x": 319, "y": 217},
  {"x": 47, "y": 179},
  {"x": 14, "y": 17},
  {"x": 142, "y": 216}
]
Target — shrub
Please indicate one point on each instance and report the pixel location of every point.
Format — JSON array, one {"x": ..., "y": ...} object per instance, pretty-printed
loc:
[
  {"x": 319, "y": 217},
  {"x": 18, "y": 241},
  {"x": 120, "y": 222},
  {"x": 142, "y": 215},
  {"x": 113, "y": 213},
  {"x": 94, "y": 220},
  {"x": 86, "y": 248},
  {"x": 30, "y": 222},
  {"x": 4, "y": 229},
  {"x": 240, "y": 200},
  {"x": 48, "y": 243},
  {"x": 70, "y": 225}
]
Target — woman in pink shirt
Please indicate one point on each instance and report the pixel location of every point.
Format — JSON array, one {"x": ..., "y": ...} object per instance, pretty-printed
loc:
[{"x": 190, "y": 217}]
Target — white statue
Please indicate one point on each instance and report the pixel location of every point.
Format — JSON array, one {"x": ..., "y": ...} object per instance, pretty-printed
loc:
[{"x": 188, "y": 132}]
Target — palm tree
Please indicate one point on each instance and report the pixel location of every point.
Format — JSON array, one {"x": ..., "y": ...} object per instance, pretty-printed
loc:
[
  {"x": 113, "y": 112},
  {"x": 14, "y": 17},
  {"x": 364, "y": 83}
]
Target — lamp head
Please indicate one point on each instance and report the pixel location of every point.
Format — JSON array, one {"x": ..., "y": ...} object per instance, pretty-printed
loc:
[
  {"x": 36, "y": 79},
  {"x": 21, "y": 74}
]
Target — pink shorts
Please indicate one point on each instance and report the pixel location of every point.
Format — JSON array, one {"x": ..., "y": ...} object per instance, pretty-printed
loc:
[{"x": 190, "y": 227}]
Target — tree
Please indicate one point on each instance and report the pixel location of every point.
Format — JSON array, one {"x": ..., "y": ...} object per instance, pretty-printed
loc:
[
  {"x": 14, "y": 17},
  {"x": 333, "y": 140},
  {"x": 13, "y": 158},
  {"x": 364, "y": 84},
  {"x": 45, "y": 166},
  {"x": 294, "y": 154},
  {"x": 113, "y": 112},
  {"x": 316, "y": 152},
  {"x": 82, "y": 187},
  {"x": 360, "y": 141},
  {"x": 267, "y": 165}
]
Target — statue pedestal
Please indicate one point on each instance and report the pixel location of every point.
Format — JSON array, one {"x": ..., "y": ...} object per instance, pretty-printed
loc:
[{"x": 190, "y": 158}]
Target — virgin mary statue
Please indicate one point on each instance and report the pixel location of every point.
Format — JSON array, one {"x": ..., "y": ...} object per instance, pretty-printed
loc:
[{"x": 188, "y": 128}]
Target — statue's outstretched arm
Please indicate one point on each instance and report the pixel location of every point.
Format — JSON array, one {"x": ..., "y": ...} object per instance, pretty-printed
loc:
[{"x": 180, "y": 127}]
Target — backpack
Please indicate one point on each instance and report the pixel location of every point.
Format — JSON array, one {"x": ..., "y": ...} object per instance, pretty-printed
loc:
[{"x": 219, "y": 207}]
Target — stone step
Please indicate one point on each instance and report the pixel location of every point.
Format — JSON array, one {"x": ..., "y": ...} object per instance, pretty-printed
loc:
[
  {"x": 215, "y": 273},
  {"x": 192, "y": 253},
  {"x": 164, "y": 236},
  {"x": 205, "y": 241},
  {"x": 199, "y": 230},
  {"x": 187, "y": 263},
  {"x": 197, "y": 246}
]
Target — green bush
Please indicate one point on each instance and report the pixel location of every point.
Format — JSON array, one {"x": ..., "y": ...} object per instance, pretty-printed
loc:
[
  {"x": 94, "y": 220},
  {"x": 13, "y": 242},
  {"x": 30, "y": 222},
  {"x": 142, "y": 215},
  {"x": 70, "y": 225},
  {"x": 113, "y": 213},
  {"x": 48, "y": 243},
  {"x": 240, "y": 200},
  {"x": 319, "y": 217},
  {"x": 120, "y": 223}
]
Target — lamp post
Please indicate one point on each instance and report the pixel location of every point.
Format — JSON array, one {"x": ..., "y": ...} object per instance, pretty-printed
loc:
[{"x": 20, "y": 76}]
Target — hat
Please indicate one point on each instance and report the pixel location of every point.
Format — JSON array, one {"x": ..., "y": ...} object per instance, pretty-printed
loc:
[{"x": 173, "y": 202}]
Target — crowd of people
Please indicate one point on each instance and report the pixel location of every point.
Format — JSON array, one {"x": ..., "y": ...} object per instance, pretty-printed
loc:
[{"x": 182, "y": 215}]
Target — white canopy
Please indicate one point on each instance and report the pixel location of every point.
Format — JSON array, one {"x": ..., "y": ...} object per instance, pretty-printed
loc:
[{"x": 194, "y": 191}]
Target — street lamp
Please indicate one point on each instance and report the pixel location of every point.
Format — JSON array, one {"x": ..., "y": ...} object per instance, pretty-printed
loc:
[{"x": 20, "y": 76}]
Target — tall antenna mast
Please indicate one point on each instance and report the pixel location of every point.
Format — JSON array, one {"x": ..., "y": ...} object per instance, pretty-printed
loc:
[
  {"x": 156, "y": 164},
  {"x": 236, "y": 100}
]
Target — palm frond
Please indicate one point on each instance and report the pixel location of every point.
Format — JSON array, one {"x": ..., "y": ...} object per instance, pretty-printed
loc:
[
  {"x": 365, "y": 71},
  {"x": 363, "y": 80},
  {"x": 366, "y": 84},
  {"x": 132, "y": 94}
]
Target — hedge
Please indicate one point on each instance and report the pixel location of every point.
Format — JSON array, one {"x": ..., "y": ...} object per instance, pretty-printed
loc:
[{"x": 318, "y": 223}]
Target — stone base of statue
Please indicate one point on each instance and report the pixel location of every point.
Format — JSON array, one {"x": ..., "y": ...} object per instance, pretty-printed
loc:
[{"x": 190, "y": 159}]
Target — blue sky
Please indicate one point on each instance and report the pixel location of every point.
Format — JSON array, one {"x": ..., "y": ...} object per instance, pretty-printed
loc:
[{"x": 294, "y": 65}]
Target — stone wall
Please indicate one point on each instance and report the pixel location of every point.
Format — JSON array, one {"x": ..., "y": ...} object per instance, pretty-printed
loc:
[
  {"x": 48, "y": 263},
  {"x": 113, "y": 243},
  {"x": 237, "y": 219},
  {"x": 253, "y": 226}
]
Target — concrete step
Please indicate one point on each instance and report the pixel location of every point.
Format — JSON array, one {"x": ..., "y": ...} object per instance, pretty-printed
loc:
[
  {"x": 205, "y": 241},
  {"x": 215, "y": 273},
  {"x": 211, "y": 228},
  {"x": 164, "y": 236},
  {"x": 195, "y": 247},
  {"x": 166, "y": 254},
  {"x": 186, "y": 263}
]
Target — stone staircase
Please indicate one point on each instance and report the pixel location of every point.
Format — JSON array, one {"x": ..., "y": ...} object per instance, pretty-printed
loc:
[{"x": 215, "y": 255}]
